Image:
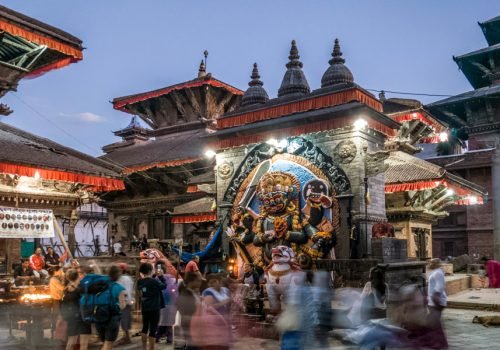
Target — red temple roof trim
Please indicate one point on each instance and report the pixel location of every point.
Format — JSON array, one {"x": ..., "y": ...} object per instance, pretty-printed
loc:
[
  {"x": 188, "y": 219},
  {"x": 40, "y": 39},
  {"x": 97, "y": 183},
  {"x": 312, "y": 103},
  {"x": 466, "y": 194},
  {"x": 170, "y": 163},
  {"x": 329, "y": 124},
  {"x": 420, "y": 116},
  {"x": 120, "y": 102}
]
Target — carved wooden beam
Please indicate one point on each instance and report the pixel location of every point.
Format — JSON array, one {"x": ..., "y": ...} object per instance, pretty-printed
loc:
[
  {"x": 221, "y": 104},
  {"x": 193, "y": 100},
  {"x": 168, "y": 110},
  {"x": 177, "y": 99}
]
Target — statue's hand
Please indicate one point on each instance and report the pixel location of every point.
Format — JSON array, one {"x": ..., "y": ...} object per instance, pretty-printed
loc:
[{"x": 268, "y": 236}]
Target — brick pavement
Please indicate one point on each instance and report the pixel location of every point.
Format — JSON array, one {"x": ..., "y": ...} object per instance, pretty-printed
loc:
[{"x": 462, "y": 335}]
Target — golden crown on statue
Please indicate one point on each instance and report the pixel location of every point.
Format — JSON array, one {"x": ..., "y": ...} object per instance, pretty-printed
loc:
[{"x": 278, "y": 181}]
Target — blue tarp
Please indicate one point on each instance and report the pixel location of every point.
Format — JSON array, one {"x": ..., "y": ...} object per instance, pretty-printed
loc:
[{"x": 214, "y": 243}]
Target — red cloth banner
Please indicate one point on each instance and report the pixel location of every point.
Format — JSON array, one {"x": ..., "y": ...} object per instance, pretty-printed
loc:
[
  {"x": 330, "y": 124},
  {"x": 41, "y": 40},
  {"x": 417, "y": 115},
  {"x": 98, "y": 183},
  {"x": 412, "y": 186},
  {"x": 188, "y": 219},
  {"x": 52, "y": 66},
  {"x": 313, "y": 103}
]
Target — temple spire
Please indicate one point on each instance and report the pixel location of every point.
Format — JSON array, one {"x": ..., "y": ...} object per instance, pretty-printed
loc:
[
  {"x": 337, "y": 74},
  {"x": 255, "y": 93},
  {"x": 294, "y": 82},
  {"x": 202, "y": 71}
]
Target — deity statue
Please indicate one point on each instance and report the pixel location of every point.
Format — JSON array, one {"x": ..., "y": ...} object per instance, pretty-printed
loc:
[{"x": 278, "y": 222}]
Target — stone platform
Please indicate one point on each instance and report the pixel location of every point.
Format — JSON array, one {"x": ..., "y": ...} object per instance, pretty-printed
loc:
[{"x": 477, "y": 299}]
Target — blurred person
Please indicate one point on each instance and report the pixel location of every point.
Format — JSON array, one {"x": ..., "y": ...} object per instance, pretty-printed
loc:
[
  {"x": 144, "y": 242},
  {"x": 151, "y": 302},
  {"x": 108, "y": 332},
  {"x": 56, "y": 288},
  {"x": 127, "y": 282},
  {"x": 193, "y": 266},
  {"x": 374, "y": 295},
  {"x": 217, "y": 296},
  {"x": 187, "y": 305},
  {"x": 167, "y": 314},
  {"x": 322, "y": 309},
  {"x": 51, "y": 259},
  {"x": 78, "y": 331},
  {"x": 23, "y": 274},
  {"x": 37, "y": 263},
  {"x": 436, "y": 301}
]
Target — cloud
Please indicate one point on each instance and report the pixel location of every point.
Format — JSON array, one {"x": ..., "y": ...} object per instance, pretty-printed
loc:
[{"x": 87, "y": 117}]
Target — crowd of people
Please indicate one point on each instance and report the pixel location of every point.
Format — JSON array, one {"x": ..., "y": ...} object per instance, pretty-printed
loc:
[{"x": 201, "y": 306}]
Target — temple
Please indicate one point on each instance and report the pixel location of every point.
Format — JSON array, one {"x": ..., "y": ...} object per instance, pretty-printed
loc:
[
  {"x": 335, "y": 164},
  {"x": 37, "y": 173},
  {"x": 474, "y": 114}
]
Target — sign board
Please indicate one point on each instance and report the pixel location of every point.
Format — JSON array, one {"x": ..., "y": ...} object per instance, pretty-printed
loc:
[{"x": 26, "y": 223}]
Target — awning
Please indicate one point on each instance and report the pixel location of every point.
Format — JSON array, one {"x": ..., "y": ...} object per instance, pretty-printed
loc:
[
  {"x": 98, "y": 183},
  {"x": 189, "y": 219}
]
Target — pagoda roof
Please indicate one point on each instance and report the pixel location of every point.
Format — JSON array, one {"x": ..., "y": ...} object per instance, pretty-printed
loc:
[
  {"x": 120, "y": 103},
  {"x": 469, "y": 95},
  {"x": 62, "y": 47},
  {"x": 409, "y": 173},
  {"x": 168, "y": 150},
  {"x": 491, "y": 30},
  {"x": 476, "y": 65},
  {"x": 23, "y": 153}
]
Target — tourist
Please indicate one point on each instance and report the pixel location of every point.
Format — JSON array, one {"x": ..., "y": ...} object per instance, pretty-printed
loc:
[
  {"x": 187, "y": 304},
  {"x": 117, "y": 249},
  {"x": 126, "y": 321},
  {"x": 437, "y": 301},
  {"x": 37, "y": 263},
  {"x": 167, "y": 314},
  {"x": 51, "y": 259},
  {"x": 217, "y": 296},
  {"x": 108, "y": 332},
  {"x": 192, "y": 266},
  {"x": 144, "y": 242},
  {"x": 151, "y": 302},
  {"x": 374, "y": 295},
  {"x": 56, "y": 289},
  {"x": 78, "y": 331},
  {"x": 23, "y": 274}
]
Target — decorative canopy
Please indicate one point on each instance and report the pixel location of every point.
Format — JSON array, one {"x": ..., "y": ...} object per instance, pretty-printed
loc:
[
  {"x": 337, "y": 73},
  {"x": 255, "y": 93},
  {"x": 294, "y": 82}
]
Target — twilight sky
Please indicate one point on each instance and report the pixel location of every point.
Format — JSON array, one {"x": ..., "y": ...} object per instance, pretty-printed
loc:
[{"x": 139, "y": 45}]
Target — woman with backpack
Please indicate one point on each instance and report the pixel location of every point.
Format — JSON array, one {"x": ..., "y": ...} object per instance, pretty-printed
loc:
[
  {"x": 70, "y": 311},
  {"x": 151, "y": 302}
]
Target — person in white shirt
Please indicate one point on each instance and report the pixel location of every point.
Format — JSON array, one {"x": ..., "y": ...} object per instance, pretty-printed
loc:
[
  {"x": 126, "y": 321},
  {"x": 437, "y": 301},
  {"x": 117, "y": 248}
]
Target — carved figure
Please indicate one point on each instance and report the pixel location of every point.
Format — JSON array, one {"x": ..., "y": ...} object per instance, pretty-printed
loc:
[
  {"x": 382, "y": 229},
  {"x": 278, "y": 222},
  {"x": 154, "y": 256},
  {"x": 281, "y": 276},
  {"x": 317, "y": 226},
  {"x": 345, "y": 152}
]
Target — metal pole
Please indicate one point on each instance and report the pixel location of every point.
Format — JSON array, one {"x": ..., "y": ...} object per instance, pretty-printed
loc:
[{"x": 366, "y": 213}]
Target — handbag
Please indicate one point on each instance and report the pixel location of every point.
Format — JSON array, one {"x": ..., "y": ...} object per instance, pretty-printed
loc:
[{"x": 208, "y": 327}]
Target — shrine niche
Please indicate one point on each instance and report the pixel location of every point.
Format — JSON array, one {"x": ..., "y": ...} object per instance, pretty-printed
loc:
[{"x": 286, "y": 199}]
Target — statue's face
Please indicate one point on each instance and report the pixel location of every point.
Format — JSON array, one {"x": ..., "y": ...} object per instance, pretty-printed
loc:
[
  {"x": 314, "y": 190},
  {"x": 282, "y": 254},
  {"x": 276, "y": 190},
  {"x": 274, "y": 202}
]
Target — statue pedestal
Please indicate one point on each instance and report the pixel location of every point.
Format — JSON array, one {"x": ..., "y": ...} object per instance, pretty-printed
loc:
[{"x": 389, "y": 249}]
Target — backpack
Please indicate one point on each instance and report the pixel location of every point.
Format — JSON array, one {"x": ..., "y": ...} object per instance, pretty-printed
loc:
[{"x": 97, "y": 303}]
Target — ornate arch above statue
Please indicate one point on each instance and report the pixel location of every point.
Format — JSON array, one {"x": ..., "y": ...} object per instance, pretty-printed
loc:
[{"x": 297, "y": 146}]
